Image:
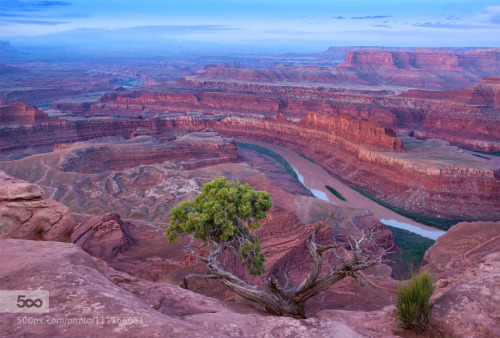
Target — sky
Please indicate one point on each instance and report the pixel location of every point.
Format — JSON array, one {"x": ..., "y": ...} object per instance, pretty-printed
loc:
[{"x": 313, "y": 24}]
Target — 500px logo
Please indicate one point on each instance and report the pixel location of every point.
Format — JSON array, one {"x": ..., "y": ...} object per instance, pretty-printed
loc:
[
  {"x": 21, "y": 302},
  {"x": 24, "y": 301}
]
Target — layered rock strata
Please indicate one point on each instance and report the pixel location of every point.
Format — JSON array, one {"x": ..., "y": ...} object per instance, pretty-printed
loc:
[
  {"x": 22, "y": 113},
  {"x": 25, "y": 214},
  {"x": 430, "y": 69},
  {"x": 467, "y": 117},
  {"x": 192, "y": 150},
  {"x": 466, "y": 264},
  {"x": 443, "y": 181}
]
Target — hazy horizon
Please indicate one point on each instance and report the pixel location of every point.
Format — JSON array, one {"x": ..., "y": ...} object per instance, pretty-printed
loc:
[{"x": 260, "y": 25}]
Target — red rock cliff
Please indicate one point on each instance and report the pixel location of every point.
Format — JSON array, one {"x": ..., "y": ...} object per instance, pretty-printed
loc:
[{"x": 22, "y": 113}]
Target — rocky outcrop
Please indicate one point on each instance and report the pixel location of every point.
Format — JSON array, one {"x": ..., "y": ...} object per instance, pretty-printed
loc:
[
  {"x": 447, "y": 114},
  {"x": 22, "y": 113},
  {"x": 466, "y": 264},
  {"x": 468, "y": 305},
  {"x": 89, "y": 298},
  {"x": 192, "y": 151},
  {"x": 25, "y": 214},
  {"x": 103, "y": 236},
  {"x": 446, "y": 257},
  {"x": 64, "y": 269}
]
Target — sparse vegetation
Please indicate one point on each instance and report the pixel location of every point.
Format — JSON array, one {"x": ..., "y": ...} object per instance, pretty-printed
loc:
[
  {"x": 307, "y": 158},
  {"x": 414, "y": 247},
  {"x": 494, "y": 153},
  {"x": 440, "y": 223},
  {"x": 335, "y": 192},
  {"x": 413, "y": 301},
  {"x": 481, "y": 156},
  {"x": 222, "y": 217},
  {"x": 277, "y": 157}
]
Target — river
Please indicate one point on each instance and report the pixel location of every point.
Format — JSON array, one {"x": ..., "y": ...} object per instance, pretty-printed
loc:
[{"x": 316, "y": 178}]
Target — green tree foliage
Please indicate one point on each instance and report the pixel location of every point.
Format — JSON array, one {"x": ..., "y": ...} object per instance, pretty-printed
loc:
[
  {"x": 223, "y": 214},
  {"x": 413, "y": 301}
]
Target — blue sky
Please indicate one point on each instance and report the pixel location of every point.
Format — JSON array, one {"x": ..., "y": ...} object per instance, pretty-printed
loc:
[{"x": 314, "y": 23}]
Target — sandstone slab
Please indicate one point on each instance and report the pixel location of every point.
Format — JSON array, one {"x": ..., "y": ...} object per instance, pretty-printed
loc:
[{"x": 25, "y": 214}]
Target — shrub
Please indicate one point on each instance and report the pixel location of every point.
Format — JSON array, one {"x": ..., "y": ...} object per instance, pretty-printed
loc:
[
  {"x": 335, "y": 192},
  {"x": 413, "y": 301}
]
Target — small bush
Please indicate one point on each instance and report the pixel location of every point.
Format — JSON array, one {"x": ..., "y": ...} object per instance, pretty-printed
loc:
[
  {"x": 413, "y": 301},
  {"x": 307, "y": 158},
  {"x": 335, "y": 192}
]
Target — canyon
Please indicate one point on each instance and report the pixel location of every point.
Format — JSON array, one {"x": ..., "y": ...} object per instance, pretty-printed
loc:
[
  {"x": 104, "y": 281},
  {"x": 96, "y": 154},
  {"x": 362, "y": 153}
]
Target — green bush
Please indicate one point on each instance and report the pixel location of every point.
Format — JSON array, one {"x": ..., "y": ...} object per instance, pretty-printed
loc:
[
  {"x": 268, "y": 152},
  {"x": 335, "y": 192},
  {"x": 413, "y": 248},
  {"x": 440, "y": 223},
  {"x": 413, "y": 301},
  {"x": 307, "y": 158}
]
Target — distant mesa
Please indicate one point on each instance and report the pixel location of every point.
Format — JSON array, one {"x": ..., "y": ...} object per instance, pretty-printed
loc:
[
  {"x": 405, "y": 67},
  {"x": 22, "y": 113}
]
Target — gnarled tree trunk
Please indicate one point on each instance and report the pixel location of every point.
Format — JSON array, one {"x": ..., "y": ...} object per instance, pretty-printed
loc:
[{"x": 279, "y": 300}]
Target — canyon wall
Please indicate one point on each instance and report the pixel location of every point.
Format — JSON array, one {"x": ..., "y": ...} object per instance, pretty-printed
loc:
[
  {"x": 22, "y": 113},
  {"x": 467, "y": 117},
  {"x": 362, "y": 153},
  {"x": 430, "y": 69}
]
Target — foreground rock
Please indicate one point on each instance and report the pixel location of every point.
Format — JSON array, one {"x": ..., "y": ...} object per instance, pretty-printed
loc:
[
  {"x": 466, "y": 262},
  {"x": 24, "y": 213},
  {"x": 103, "y": 236},
  {"x": 469, "y": 304},
  {"x": 77, "y": 290},
  {"x": 83, "y": 287}
]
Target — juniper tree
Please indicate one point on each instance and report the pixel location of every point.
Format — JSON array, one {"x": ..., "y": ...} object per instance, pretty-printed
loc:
[{"x": 222, "y": 218}]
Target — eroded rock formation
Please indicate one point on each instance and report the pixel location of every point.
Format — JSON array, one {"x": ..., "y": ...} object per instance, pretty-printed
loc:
[
  {"x": 22, "y": 113},
  {"x": 103, "y": 236},
  {"x": 431, "y": 69},
  {"x": 25, "y": 214},
  {"x": 468, "y": 117},
  {"x": 466, "y": 263},
  {"x": 153, "y": 308},
  {"x": 363, "y": 153}
]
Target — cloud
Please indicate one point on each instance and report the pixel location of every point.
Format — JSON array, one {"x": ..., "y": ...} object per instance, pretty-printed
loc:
[
  {"x": 35, "y": 22},
  {"x": 29, "y": 6},
  {"x": 384, "y": 26},
  {"x": 52, "y": 3},
  {"x": 370, "y": 17},
  {"x": 491, "y": 14},
  {"x": 338, "y": 17},
  {"x": 449, "y": 25},
  {"x": 45, "y": 13}
]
